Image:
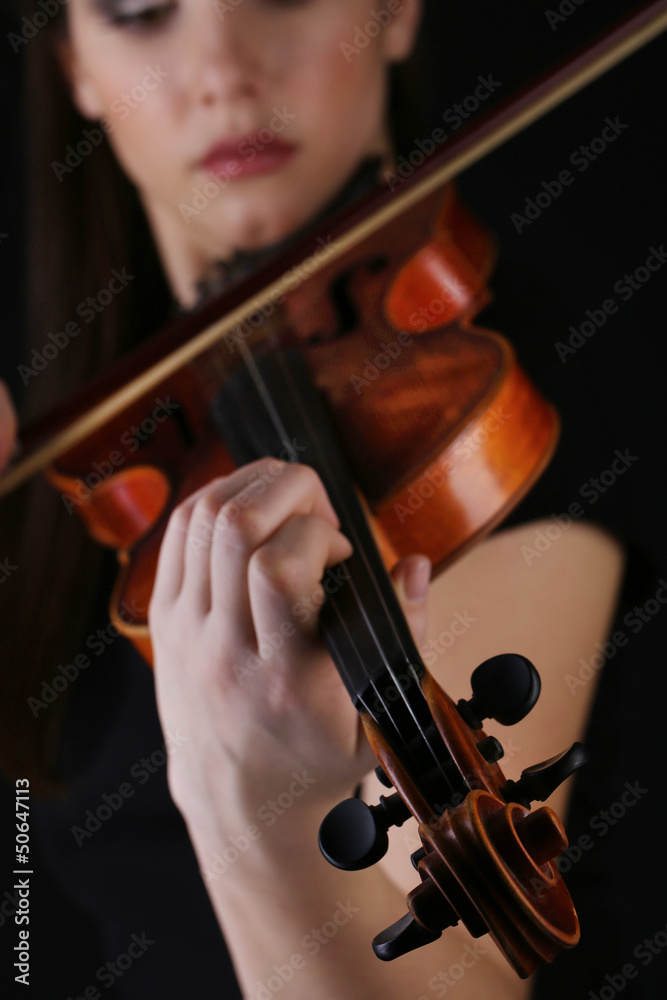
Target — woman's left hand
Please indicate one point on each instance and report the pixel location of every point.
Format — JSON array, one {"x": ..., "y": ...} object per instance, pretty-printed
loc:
[{"x": 241, "y": 671}]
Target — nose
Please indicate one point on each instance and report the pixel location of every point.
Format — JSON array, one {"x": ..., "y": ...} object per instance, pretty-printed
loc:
[{"x": 227, "y": 56}]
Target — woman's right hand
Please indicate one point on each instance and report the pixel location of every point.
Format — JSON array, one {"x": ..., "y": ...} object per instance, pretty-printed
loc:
[{"x": 8, "y": 425}]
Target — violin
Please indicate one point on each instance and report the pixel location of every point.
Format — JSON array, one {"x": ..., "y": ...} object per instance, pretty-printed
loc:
[{"x": 361, "y": 358}]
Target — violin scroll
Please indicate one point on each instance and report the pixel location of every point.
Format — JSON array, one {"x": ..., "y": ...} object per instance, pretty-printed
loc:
[
  {"x": 485, "y": 859},
  {"x": 488, "y": 863}
]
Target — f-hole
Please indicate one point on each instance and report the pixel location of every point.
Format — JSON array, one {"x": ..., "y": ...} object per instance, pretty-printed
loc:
[
  {"x": 347, "y": 312},
  {"x": 183, "y": 428}
]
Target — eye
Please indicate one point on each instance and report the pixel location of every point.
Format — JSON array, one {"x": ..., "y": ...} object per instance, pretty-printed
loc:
[
  {"x": 288, "y": 3},
  {"x": 137, "y": 15}
]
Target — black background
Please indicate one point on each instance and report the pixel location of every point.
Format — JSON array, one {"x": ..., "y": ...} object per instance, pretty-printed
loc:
[{"x": 601, "y": 227}]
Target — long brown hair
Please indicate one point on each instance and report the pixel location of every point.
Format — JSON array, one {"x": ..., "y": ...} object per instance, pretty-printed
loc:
[{"x": 85, "y": 220}]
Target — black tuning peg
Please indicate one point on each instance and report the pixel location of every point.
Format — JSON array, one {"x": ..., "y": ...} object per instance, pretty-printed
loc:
[
  {"x": 540, "y": 780},
  {"x": 354, "y": 835},
  {"x": 430, "y": 914},
  {"x": 504, "y": 688},
  {"x": 403, "y": 936},
  {"x": 381, "y": 775},
  {"x": 417, "y": 856}
]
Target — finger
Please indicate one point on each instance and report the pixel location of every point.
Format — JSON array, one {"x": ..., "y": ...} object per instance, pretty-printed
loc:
[
  {"x": 251, "y": 517},
  {"x": 171, "y": 560},
  {"x": 411, "y": 577},
  {"x": 285, "y": 573},
  {"x": 170, "y": 572},
  {"x": 209, "y": 507},
  {"x": 192, "y": 530},
  {"x": 205, "y": 508}
]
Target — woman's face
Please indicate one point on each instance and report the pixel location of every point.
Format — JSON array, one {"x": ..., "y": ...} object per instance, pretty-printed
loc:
[{"x": 237, "y": 120}]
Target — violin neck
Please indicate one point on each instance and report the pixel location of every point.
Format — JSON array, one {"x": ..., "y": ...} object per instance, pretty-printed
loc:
[{"x": 269, "y": 406}]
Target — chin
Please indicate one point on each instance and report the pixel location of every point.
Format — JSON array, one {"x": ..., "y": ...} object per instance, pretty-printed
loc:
[{"x": 265, "y": 225}]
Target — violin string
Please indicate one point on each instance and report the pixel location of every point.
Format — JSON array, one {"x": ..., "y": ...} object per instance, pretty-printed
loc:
[
  {"x": 360, "y": 549},
  {"x": 278, "y": 423},
  {"x": 280, "y": 428}
]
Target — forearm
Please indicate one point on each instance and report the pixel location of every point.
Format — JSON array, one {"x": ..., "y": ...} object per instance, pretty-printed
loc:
[{"x": 302, "y": 928}]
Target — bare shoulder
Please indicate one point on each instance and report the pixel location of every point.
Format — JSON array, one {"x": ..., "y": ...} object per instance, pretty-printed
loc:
[
  {"x": 546, "y": 592},
  {"x": 549, "y": 596}
]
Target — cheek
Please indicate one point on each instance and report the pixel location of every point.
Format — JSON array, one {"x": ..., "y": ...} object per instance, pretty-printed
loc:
[
  {"x": 143, "y": 129},
  {"x": 348, "y": 101},
  {"x": 128, "y": 90},
  {"x": 329, "y": 80}
]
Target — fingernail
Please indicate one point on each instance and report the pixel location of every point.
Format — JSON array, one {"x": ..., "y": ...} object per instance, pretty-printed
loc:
[{"x": 417, "y": 580}]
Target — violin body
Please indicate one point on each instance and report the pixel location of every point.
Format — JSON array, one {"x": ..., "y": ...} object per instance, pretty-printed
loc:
[{"x": 441, "y": 430}]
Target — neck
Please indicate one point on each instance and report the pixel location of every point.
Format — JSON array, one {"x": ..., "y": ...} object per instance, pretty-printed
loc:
[{"x": 194, "y": 274}]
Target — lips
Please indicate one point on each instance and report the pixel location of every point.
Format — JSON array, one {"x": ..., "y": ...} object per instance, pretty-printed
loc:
[{"x": 247, "y": 155}]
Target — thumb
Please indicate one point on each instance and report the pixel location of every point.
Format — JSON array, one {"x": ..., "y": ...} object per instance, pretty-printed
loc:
[{"x": 411, "y": 578}]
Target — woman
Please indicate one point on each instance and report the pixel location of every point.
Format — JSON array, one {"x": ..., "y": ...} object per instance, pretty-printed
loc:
[{"x": 213, "y": 77}]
